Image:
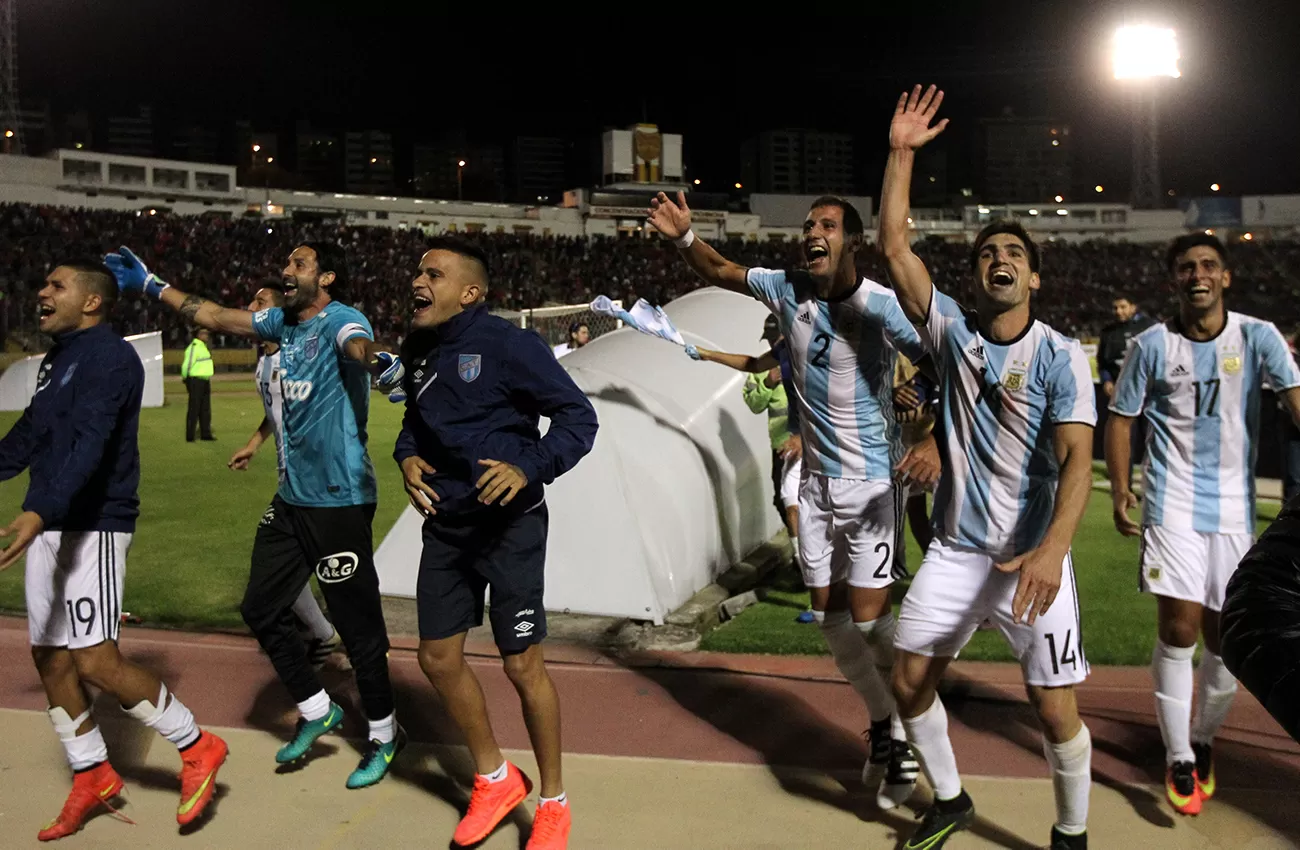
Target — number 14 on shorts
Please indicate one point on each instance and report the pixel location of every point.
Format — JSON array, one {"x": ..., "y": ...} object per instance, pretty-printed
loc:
[{"x": 1062, "y": 652}]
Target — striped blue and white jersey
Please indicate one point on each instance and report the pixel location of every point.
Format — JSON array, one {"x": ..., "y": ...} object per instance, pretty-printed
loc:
[
  {"x": 268, "y": 387},
  {"x": 842, "y": 355},
  {"x": 999, "y": 405},
  {"x": 1201, "y": 400}
]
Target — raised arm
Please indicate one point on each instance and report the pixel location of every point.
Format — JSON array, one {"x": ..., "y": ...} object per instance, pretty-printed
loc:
[
  {"x": 909, "y": 130},
  {"x": 673, "y": 219},
  {"x": 740, "y": 362},
  {"x": 133, "y": 276}
]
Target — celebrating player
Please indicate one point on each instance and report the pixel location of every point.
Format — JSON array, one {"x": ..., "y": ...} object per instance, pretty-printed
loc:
[
  {"x": 322, "y": 640},
  {"x": 1196, "y": 380},
  {"x": 78, "y": 439},
  {"x": 839, "y": 328},
  {"x": 1016, "y": 401},
  {"x": 475, "y": 466},
  {"x": 320, "y": 517}
]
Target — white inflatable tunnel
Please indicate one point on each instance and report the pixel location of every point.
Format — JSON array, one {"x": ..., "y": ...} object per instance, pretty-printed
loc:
[
  {"x": 678, "y": 486},
  {"x": 18, "y": 382}
]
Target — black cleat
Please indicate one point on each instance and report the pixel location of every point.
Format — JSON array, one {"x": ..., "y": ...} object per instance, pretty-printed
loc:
[
  {"x": 940, "y": 821},
  {"x": 1061, "y": 841}
]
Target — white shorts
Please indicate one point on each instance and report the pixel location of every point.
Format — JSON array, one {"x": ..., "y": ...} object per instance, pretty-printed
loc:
[
  {"x": 956, "y": 589},
  {"x": 74, "y": 587},
  {"x": 791, "y": 475},
  {"x": 847, "y": 530},
  {"x": 1191, "y": 565}
]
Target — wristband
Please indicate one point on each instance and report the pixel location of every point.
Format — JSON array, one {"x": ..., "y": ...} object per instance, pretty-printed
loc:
[
  {"x": 154, "y": 286},
  {"x": 686, "y": 239}
]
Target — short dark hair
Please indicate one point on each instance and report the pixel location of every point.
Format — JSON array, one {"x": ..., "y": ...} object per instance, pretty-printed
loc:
[
  {"x": 330, "y": 257},
  {"x": 1009, "y": 226},
  {"x": 852, "y": 218},
  {"x": 275, "y": 286},
  {"x": 577, "y": 326},
  {"x": 97, "y": 277},
  {"x": 1188, "y": 241},
  {"x": 462, "y": 247}
]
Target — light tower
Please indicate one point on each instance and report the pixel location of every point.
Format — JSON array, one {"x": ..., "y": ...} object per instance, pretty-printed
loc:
[
  {"x": 1143, "y": 56},
  {"x": 11, "y": 139}
]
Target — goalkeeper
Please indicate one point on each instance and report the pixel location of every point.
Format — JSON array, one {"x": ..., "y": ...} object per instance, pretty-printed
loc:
[{"x": 320, "y": 517}]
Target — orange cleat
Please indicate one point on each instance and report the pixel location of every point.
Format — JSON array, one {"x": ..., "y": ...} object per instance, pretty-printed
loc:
[
  {"x": 90, "y": 789},
  {"x": 1205, "y": 781},
  {"x": 551, "y": 825},
  {"x": 200, "y": 763},
  {"x": 489, "y": 804},
  {"x": 1180, "y": 788}
]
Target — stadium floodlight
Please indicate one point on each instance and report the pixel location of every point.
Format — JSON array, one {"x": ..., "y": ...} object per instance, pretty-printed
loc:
[
  {"x": 1214, "y": 187},
  {"x": 1143, "y": 52},
  {"x": 1098, "y": 188}
]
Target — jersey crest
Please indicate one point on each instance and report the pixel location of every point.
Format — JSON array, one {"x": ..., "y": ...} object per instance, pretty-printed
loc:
[
  {"x": 469, "y": 367},
  {"x": 311, "y": 348}
]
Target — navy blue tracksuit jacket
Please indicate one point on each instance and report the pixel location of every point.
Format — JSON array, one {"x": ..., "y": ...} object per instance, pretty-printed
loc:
[
  {"x": 78, "y": 436},
  {"x": 478, "y": 394}
]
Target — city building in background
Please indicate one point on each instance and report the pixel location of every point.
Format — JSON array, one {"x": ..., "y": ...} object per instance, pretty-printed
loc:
[
  {"x": 1023, "y": 160},
  {"x": 798, "y": 162}
]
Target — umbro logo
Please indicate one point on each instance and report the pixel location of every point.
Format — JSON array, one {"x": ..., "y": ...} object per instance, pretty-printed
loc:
[
  {"x": 524, "y": 629},
  {"x": 1180, "y": 371},
  {"x": 805, "y": 317}
]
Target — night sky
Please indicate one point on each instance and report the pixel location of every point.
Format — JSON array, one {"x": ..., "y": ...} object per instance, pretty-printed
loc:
[{"x": 715, "y": 78}]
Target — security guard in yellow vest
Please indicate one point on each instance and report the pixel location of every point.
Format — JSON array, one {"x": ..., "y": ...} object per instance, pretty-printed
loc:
[{"x": 196, "y": 372}]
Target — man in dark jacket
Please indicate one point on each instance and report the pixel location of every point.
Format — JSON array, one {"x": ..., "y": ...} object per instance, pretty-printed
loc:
[
  {"x": 475, "y": 465},
  {"x": 1129, "y": 322},
  {"x": 77, "y": 438}
]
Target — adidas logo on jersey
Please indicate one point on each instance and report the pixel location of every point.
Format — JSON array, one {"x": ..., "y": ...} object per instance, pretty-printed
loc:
[
  {"x": 805, "y": 317},
  {"x": 978, "y": 351},
  {"x": 1180, "y": 371}
]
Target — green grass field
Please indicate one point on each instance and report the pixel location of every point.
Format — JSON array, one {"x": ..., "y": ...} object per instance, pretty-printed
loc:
[
  {"x": 1118, "y": 622},
  {"x": 189, "y": 559}
]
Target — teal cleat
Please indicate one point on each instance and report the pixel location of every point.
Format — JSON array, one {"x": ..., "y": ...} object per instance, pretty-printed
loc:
[
  {"x": 376, "y": 761},
  {"x": 307, "y": 733}
]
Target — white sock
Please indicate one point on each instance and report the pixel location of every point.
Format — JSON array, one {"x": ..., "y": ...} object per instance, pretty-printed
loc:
[
  {"x": 1071, "y": 764},
  {"x": 1171, "y": 667},
  {"x": 315, "y": 706},
  {"x": 854, "y": 662},
  {"x": 499, "y": 774},
  {"x": 896, "y": 730},
  {"x": 168, "y": 717},
  {"x": 563, "y": 799},
  {"x": 308, "y": 610},
  {"x": 928, "y": 735},
  {"x": 384, "y": 730},
  {"x": 878, "y": 635},
  {"x": 1215, "y": 689},
  {"x": 83, "y": 751}
]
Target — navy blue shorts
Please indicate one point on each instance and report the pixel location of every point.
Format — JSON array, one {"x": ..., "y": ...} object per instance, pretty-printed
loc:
[{"x": 460, "y": 562}]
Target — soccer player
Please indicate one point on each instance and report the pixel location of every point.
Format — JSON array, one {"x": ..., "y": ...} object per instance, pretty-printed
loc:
[
  {"x": 475, "y": 465},
  {"x": 579, "y": 335},
  {"x": 320, "y": 517},
  {"x": 78, "y": 440},
  {"x": 322, "y": 640},
  {"x": 842, "y": 332},
  {"x": 1017, "y": 412},
  {"x": 1196, "y": 380}
]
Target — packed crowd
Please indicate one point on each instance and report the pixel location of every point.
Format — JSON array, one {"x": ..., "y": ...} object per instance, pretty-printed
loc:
[{"x": 227, "y": 259}]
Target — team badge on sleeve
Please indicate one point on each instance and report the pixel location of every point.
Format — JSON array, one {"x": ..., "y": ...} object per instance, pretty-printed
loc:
[{"x": 469, "y": 367}]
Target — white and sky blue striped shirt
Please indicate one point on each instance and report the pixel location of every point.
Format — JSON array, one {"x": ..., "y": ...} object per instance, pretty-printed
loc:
[
  {"x": 1202, "y": 402},
  {"x": 842, "y": 354},
  {"x": 999, "y": 403}
]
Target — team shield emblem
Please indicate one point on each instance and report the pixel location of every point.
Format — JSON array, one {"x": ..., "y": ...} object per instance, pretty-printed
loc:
[
  {"x": 1232, "y": 364},
  {"x": 310, "y": 347},
  {"x": 1014, "y": 380},
  {"x": 470, "y": 366}
]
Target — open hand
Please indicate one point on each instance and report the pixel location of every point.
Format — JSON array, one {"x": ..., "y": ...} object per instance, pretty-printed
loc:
[
  {"x": 911, "y": 128},
  {"x": 500, "y": 478},
  {"x": 422, "y": 497},
  {"x": 24, "y": 529},
  {"x": 1040, "y": 580},
  {"x": 670, "y": 219}
]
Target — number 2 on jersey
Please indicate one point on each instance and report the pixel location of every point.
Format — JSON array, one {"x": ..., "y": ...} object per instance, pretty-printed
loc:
[{"x": 819, "y": 359}]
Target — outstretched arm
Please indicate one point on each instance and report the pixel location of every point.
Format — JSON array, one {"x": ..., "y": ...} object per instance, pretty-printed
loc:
[
  {"x": 673, "y": 219},
  {"x": 133, "y": 276},
  {"x": 909, "y": 130},
  {"x": 740, "y": 362}
]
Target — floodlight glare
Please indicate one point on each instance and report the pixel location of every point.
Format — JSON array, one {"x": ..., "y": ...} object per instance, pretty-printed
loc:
[{"x": 1143, "y": 52}]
